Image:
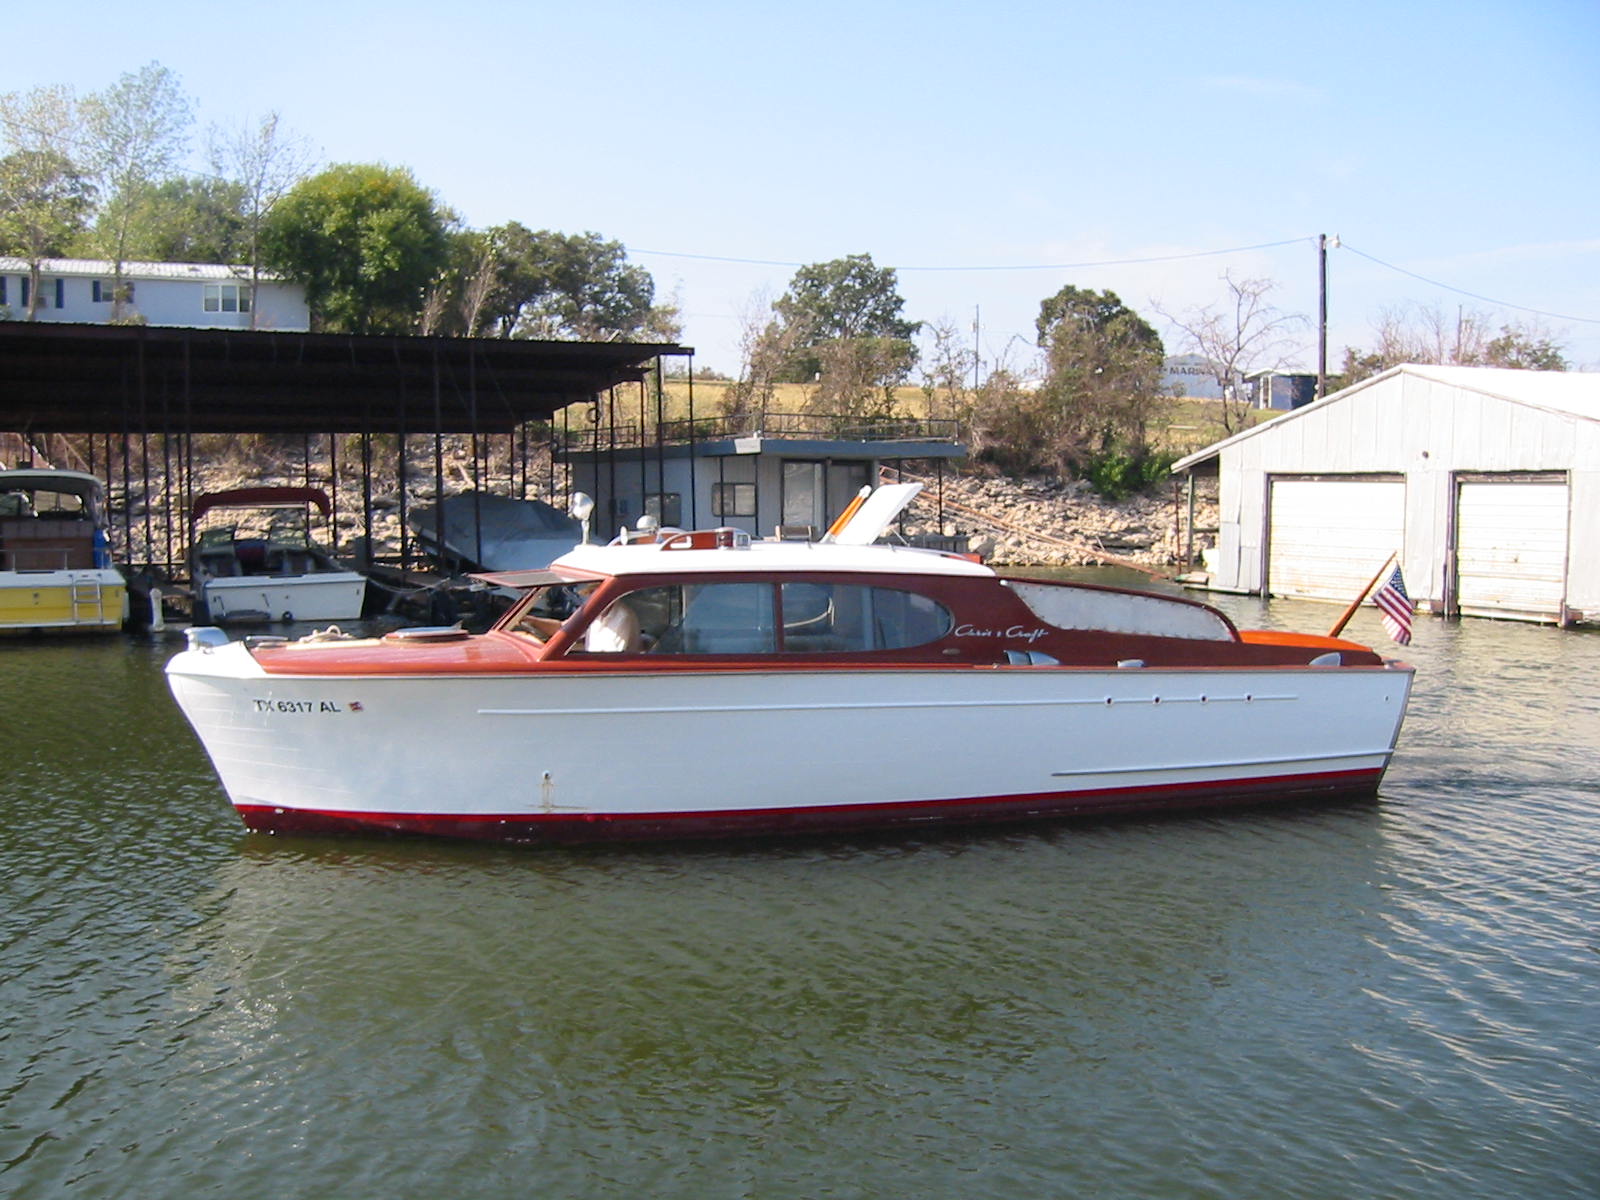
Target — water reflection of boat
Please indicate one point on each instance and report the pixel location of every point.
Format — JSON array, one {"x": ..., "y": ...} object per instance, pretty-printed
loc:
[
  {"x": 276, "y": 574},
  {"x": 694, "y": 684},
  {"x": 494, "y": 533},
  {"x": 56, "y": 572}
]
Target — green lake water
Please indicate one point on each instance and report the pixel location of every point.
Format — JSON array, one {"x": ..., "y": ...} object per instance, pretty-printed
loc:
[{"x": 1398, "y": 998}]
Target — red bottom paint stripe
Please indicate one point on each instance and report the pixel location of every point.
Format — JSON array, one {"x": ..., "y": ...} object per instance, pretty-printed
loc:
[{"x": 570, "y": 828}]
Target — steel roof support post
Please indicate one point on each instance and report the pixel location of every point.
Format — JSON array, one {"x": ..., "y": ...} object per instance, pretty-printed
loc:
[
  {"x": 333, "y": 484},
  {"x": 694, "y": 492},
  {"x": 127, "y": 470},
  {"x": 438, "y": 460},
  {"x": 661, "y": 447},
  {"x": 402, "y": 470},
  {"x": 477, "y": 481},
  {"x": 144, "y": 450},
  {"x": 186, "y": 468},
  {"x": 611, "y": 455},
  {"x": 166, "y": 468}
]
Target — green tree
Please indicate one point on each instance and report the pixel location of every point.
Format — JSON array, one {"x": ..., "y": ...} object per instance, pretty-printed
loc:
[
  {"x": 45, "y": 197},
  {"x": 1530, "y": 350},
  {"x": 365, "y": 240},
  {"x": 1102, "y": 387},
  {"x": 43, "y": 206},
  {"x": 135, "y": 133},
  {"x": 846, "y": 300},
  {"x": 190, "y": 219},
  {"x": 570, "y": 286}
]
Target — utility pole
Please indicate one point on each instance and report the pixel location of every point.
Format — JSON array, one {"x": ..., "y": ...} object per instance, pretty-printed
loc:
[
  {"x": 975, "y": 344},
  {"x": 1322, "y": 315},
  {"x": 1324, "y": 243}
]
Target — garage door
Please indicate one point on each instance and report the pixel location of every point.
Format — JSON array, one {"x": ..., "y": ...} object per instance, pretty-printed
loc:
[
  {"x": 1328, "y": 537},
  {"x": 1511, "y": 549}
]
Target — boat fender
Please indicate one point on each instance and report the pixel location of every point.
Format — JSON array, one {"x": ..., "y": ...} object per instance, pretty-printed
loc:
[
  {"x": 1330, "y": 659},
  {"x": 1129, "y": 664}
]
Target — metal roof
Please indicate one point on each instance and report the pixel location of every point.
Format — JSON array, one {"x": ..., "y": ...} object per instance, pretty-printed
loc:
[
  {"x": 65, "y": 378},
  {"x": 1569, "y": 393},
  {"x": 98, "y": 268}
]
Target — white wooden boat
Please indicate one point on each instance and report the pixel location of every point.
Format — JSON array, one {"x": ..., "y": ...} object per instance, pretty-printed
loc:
[
  {"x": 699, "y": 684},
  {"x": 56, "y": 572},
  {"x": 278, "y": 575}
]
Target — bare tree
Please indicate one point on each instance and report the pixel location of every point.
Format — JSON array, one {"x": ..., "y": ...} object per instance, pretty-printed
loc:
[
  {"x": 1242, "y": 334},
  {"x": 766, "y": 346},
  {"x": 1419, "y": 333},
  {"x": 135, "y": 135},
  {"x": 947, "y": 372},
  {"x": 266, "y": 161}
]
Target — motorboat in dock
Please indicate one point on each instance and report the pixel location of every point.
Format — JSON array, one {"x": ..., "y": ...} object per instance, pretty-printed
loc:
[
  {"x": 56, "y": 572},
  {"x": 485, "y": 532},
  {"x": 701, "y": 684},
  {"x": 272, "y": 573}
]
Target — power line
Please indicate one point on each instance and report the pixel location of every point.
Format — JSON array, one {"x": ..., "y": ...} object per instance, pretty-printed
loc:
[
  {"x": 1076, "y": 266},
  {"x": 1463, "y": 292}
]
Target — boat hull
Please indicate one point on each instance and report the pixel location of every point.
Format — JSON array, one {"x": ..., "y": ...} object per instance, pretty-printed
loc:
[
  {"x": 617, "y": 755},
  {"x": 321, "y": 596},
  {"x": 90, "y": 600}
]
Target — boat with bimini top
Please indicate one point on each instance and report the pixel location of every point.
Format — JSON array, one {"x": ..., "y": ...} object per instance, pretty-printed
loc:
[
  {"x": 56, "y": 573},
  {"x": 276, "y": 573},
  {"x": 692, "y": 684}
]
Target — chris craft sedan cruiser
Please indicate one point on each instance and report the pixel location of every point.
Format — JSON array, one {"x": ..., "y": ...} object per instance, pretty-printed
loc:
[{"x": 694, "y": 684}]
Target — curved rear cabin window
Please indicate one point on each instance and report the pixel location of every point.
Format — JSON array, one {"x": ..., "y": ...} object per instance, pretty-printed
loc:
[{"x": 743, "y": 618}]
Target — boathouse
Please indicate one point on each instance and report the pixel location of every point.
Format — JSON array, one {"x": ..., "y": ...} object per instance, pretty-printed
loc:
[
  {"x": 789, "y": 474},
  {"x": 1484, "y": 481}
]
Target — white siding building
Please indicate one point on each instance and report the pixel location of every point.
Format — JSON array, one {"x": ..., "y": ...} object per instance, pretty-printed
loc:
[
  {"x": 198, "y": 295},
  {"x": 1485, "y": 481}
]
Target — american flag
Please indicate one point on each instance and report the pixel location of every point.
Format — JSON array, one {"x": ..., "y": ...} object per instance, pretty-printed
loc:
[{"x": 1395, "y": 606}]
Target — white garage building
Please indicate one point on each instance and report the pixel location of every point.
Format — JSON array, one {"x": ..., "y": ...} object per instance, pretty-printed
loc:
[{"x": 1486, "y": 482}]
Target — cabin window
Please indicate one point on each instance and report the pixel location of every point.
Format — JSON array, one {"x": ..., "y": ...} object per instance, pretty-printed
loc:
[
  {"x": 733, "y": 499},
  {"x": 691, "y": 618},
  {"x": 822, "y": 618}
]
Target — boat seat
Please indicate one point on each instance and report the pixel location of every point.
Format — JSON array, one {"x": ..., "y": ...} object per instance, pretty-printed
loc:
[{"x": 615, "y": 631}]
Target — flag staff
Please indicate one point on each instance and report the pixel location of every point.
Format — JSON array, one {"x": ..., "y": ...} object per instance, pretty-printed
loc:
[{"x": 1344, "y": 618}]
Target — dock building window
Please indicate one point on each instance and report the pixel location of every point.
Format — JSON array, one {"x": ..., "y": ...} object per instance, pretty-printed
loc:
[{"x": 733, "y": 499}]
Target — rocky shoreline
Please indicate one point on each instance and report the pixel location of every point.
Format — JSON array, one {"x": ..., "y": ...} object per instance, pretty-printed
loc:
[{"x": 1039, "y": 521}]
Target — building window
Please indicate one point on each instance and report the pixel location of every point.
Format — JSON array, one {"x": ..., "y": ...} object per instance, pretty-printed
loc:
[
  {"x": 733, "y": 499},
  {"x": 104, "y": 290},
  {"x": 227, "y": 297},
  {"x": 665, "y": 507}
]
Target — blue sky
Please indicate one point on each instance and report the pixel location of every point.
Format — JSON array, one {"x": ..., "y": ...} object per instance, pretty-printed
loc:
[{"x": 987, "y": 152}]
